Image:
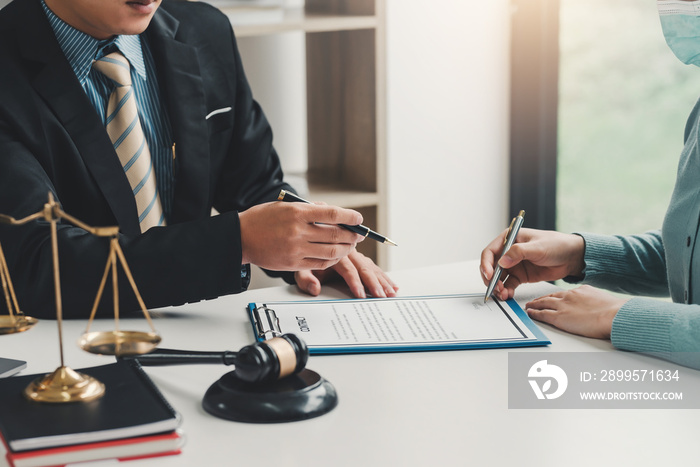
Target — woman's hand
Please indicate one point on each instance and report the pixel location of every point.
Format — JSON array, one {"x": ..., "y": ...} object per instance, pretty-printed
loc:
[
  {"x": 585, "y": 311},
  {"x": 536, "y": 255}
]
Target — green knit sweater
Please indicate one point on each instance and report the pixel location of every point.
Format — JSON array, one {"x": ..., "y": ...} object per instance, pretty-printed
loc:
[{"x": 658, "y": 264}]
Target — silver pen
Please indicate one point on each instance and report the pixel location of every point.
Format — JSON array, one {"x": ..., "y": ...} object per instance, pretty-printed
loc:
[{"x": 515, "y": 225}]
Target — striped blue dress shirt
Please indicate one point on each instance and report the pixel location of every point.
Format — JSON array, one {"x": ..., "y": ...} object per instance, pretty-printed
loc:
[{"x": 81, "y": 50}]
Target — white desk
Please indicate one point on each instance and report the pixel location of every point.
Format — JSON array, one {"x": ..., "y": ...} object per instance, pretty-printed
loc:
[{"x": 429, "y": 408}]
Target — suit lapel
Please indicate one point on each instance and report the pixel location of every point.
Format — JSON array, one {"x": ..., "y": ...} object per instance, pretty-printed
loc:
[
  {"x": 56, "y": 83},
  {"x": 180, "y": 79}
]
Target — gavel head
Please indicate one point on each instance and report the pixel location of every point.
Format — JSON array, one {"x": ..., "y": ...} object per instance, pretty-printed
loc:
[{"x": 272, "y": 359}]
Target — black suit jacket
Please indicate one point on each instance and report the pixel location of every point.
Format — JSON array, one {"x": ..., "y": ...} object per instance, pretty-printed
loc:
[{"x": 51, "y": 140}]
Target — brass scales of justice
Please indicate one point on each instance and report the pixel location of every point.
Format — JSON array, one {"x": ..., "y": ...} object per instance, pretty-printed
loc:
[{"x": 65, "y": 384}]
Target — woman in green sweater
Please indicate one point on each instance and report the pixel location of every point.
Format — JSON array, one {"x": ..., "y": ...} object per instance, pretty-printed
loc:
[{"x": 659, "y": 263}]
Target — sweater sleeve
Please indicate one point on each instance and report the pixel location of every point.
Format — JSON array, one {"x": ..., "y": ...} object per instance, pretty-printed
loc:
[
  {"x": 660, "y": 328},
  {"x": 631, "y": 264},
  {"x": 636, "y": 264}
]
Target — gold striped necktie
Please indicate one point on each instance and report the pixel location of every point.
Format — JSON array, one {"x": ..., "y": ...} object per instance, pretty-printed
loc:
[{"x": 124, "y": 129}]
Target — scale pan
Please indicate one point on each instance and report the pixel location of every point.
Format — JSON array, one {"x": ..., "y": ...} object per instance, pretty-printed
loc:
[
  {"x": 119, "y": 343},
  {"x": 11, "y": 324}
]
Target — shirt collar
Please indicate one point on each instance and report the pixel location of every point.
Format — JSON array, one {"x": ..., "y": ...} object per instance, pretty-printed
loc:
[{"x": 82, "y": 49}]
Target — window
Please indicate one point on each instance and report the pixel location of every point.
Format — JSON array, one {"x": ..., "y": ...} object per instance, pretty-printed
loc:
[{"x": 623, "y": 102}]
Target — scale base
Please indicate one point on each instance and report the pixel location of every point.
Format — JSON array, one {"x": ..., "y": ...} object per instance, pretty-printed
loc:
[
  {"x": 297, "y": 397},
  {"x": 64, "y": 385}
]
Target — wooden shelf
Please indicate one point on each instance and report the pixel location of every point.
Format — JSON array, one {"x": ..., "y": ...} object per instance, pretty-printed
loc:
[
  {"x": 296, "y": 19},
  {"x": 346, "y": 198},
  {"x": 345, "y": 100}
]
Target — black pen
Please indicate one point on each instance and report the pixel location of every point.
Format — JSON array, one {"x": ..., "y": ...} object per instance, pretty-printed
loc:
[{"x": 358, "y": 229}]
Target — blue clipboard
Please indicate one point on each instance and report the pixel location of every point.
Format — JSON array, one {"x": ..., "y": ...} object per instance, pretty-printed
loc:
[{"x": 266, "y": 323}]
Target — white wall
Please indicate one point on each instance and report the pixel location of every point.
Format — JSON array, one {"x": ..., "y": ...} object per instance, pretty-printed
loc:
[
  {"x": 275, "y": 66},
  {"x": 447, "y": 111}
]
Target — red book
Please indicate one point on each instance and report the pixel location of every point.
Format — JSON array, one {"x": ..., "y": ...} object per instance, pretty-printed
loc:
[{"x": 122, "y": 449}]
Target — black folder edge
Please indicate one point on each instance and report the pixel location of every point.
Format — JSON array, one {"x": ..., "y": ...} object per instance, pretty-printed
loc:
[{"x": 541, "y": 339}]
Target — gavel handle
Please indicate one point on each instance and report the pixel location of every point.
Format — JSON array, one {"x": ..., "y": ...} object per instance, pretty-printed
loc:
[{"x": 162, "y": 357}]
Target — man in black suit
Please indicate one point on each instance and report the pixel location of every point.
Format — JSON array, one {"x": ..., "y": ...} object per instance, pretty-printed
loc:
[{"x": 53, "y": 140}]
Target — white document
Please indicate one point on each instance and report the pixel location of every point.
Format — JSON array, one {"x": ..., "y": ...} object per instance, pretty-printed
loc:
[{"x": 400, "y": 324}]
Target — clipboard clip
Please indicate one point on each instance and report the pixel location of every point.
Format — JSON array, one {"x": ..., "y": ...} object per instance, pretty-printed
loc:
[{"x": 266, "y": 322}]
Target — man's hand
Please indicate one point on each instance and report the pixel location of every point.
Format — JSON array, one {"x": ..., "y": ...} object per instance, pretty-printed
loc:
[
  {"x": 585, "y": 311},
  {"x": 295, "y": 236},
  {"x": 358, "y": 271}
]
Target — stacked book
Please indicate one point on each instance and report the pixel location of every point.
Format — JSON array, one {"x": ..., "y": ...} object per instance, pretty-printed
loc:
[{"x": 131, "y": 421}]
